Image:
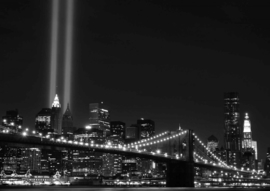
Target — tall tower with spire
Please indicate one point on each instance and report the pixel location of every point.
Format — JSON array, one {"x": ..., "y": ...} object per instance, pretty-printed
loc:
[
  {"x": 56, "y": 116},
  {"x": 248, "y": 149},
  {"x": 67, "y": 121},
  {"x": 247, "y": 134}
]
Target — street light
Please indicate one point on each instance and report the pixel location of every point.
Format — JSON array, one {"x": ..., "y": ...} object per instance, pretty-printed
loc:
[{"x": 88, "y": 127}]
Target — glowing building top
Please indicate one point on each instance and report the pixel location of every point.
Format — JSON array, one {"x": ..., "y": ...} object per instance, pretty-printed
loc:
[
  {"x": 247, "y": 134},
  {"x": 247, "y": 126},
  {"x": 56, "y": 102}
]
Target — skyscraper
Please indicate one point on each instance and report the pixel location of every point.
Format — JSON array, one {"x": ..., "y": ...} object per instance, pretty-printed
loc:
[
  {"x": 248, "y": 146},
  {"x": 267, "y": 163},
  {"x": 254, "y": 146},
  {"x": 147, "y": 128},
  {"x": 132, "y": 133},
  {"x": 99, "y": 117},
  {"x": 248, "y": 143},
  {"x": 117, "y": 128},
  {"x": 56, "y": 116},
  {"x": 67, "y": 122},
  {"x": 232, "y": 135},
  {"x": 12, "y": 120},
  {"x": 43, "y": 121},
  {"x": 247, "y": 134}
]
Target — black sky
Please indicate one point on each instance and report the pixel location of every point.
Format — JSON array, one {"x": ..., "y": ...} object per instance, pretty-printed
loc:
[{"x": 170, "y": 61}]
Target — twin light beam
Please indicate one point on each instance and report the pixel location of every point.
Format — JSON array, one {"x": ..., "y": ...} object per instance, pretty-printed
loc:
[{"x": 54, "y": 50}]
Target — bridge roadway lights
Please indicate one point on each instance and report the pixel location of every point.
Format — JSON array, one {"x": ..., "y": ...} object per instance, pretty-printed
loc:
[{"x": 180, "y": 174}]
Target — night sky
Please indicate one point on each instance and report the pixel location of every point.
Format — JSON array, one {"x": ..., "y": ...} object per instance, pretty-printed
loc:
[{"x": 170, "y": 61}]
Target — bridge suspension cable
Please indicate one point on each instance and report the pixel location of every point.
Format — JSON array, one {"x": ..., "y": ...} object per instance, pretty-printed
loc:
[
  {"x": 148, "y": 141},
  {"x": 209, "y": 151}
]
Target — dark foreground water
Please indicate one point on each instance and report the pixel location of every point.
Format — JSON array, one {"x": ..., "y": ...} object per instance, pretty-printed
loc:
[{"x": 72, "y": 188}]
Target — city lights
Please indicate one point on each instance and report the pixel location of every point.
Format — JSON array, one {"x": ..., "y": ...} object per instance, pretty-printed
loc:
[{"x": 88, "y": 127}]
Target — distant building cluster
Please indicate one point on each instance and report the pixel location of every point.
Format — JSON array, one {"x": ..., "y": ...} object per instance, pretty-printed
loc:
[
  {"x": 240, "y": 149},
  {"x": 50, "y": 122}
]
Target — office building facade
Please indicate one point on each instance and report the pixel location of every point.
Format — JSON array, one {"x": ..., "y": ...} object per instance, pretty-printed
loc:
[
  {"x": 12, "y": 121},
  {"x": 232, "y": 134},
  {"x": 147, "y": 128},
  {"x": 67, "y": 122},
  {"x": 43, "y": 121},
  {"x": 267, "y": 163},
  {"x": 118, "y": 128},
  {"x": 99, "y": 117},
  {"x": 248, "y": 146}
]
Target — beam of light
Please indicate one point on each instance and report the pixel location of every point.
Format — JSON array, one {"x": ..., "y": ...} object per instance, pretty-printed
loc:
[
  {"x": 54, "y": 44},
  {"x": 68, "y": 53}
]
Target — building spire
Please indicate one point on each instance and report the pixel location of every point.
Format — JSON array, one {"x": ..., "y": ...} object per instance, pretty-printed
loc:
[
  {"x": 56, "y": 102},
  {"x": 247, "y": 125},
  {"x": 67, "y": 112},
  {"x": 247, "y": 134}
]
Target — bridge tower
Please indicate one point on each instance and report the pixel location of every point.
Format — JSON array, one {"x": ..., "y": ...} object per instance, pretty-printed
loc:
[{"x": 181, "y": 173}]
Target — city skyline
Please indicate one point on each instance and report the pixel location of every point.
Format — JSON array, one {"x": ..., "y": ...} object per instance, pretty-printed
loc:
[{"x": 139, "y": 75}]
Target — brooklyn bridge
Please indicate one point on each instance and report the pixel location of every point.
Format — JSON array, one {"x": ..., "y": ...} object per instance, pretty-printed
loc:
[{"x": 187, "y": 160}]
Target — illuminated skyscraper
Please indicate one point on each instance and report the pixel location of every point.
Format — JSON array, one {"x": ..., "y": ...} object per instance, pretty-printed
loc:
[
  {"x": 92, "y": 135},
  {"x": 31, "y": 158},
  {"x": 117, "y": 128},
  {"x": 248, "y": 146},
  {"x": 254, "y": 146},
  {"x": 267, "y": 163},
  {"x": 147, "y": 128},
  {"x": 247, "y": 134},
  {"x": 43, "y": 121},
  {"x": 232, "y": 136},
  {"x": 67, "y": 122},
  {"x": 112, "y": 163},
  {"x": 56, "y": 116},
  {"x": 99, "y": 117},
  {"x": 12, "y": 121}
]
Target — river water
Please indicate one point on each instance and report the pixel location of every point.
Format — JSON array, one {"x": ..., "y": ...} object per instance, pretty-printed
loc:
[{"x": 74, "y": 188}]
